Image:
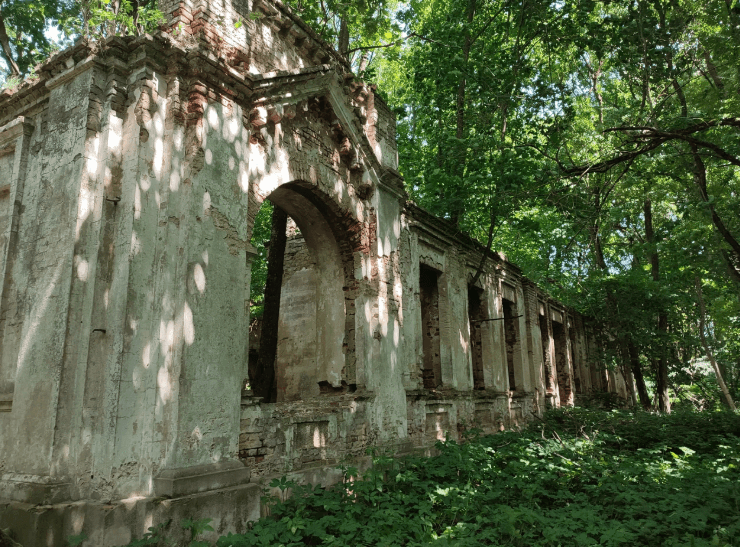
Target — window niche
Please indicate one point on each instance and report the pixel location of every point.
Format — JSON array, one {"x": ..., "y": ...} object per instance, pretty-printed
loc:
[
  {"x": 477, "y": 315},
  {"x": 561, "y": 357},
  {"x": 431, "y": 343},
  {"x": 546, "y": 364},
  {"x": 511, "y": 336}
]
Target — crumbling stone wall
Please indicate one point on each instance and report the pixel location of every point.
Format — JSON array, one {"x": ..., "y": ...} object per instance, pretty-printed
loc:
[{"x": 278, "y": 438}]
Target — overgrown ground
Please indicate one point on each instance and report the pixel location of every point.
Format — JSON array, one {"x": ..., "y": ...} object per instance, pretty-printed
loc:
[{"x": 579, "y": 477}]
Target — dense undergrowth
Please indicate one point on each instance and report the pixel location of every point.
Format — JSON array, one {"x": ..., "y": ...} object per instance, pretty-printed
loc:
[{"x": 578, "y": 477}]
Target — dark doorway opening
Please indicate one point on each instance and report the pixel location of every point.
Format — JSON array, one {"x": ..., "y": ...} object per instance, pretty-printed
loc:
[
  {"x": 561, "y": 361},
  {"x": 429, "y": 297},
  {"x": 477, "y": 314},
  {"x": 511, "y": 335}
]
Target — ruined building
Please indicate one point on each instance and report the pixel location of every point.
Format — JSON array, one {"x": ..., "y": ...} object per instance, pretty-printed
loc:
[{"x": 131, "y": 172}]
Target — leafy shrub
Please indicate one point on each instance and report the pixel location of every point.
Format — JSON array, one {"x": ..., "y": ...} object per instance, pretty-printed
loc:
[
  {"x": 576, "y": 478},
  {"x": 580, "y": 477}
]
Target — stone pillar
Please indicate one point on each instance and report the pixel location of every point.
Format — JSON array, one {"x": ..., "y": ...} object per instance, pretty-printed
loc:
[
  {"x": 499, "y": 370},
  {"x": 50, "y": 163},
  {"x": 534, "y": 343},
  {"x": 523, "y": 364},
  {"x": 487, "y": 328}
]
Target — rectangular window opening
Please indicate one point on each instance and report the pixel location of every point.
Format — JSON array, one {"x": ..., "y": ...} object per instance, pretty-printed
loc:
[
  {"x": 511, "y": 335},
  {"x": 561, "y": 361},
  {"x": 429, "y": 297},
  {"x": 477, "y": 314}
]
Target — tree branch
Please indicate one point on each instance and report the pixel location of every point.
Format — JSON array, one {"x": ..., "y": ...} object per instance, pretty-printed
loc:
[{"x": 7, "y": 52}]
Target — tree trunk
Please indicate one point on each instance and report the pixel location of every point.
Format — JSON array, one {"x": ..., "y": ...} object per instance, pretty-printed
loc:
[
  {"x": 459, "y": 160},
  {"x": 661, "y": 380},
  {"x": 343, "y": 40},
  {"x": 7, "y": 52},
  {"x": 637, "y": 373},
  {"x": 264, "y": 385},
  {"x": 364, "y": 59},
  {"x": 732, "y": 257},
  {"x": 710, "y": 355},
  {"x": 627, "y": 373}
]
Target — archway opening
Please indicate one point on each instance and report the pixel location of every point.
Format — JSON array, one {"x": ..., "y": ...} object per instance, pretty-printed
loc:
[{"x": 299, "y": 337}]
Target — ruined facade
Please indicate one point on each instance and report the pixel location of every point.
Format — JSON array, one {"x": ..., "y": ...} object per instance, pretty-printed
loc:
[{"x": 131, "y": 172}]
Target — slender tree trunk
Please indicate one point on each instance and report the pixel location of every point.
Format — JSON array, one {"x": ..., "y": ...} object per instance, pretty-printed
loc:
[
  {"x": 708, "y": 351},
  {"x": 731, "y": 257},
  {"x": 7, "y": 52},
  {"x": 637, "y": 373},
  {"x": 264, "y": 385},
  {"x": 343, "y": 41},
  {"x": 460, "y": 158},
  {"x": 364, "y": 59},
  {"x": 664, "y": 401},
  {"x": 627, "y": 373},
  {"x": 136, "y": 6}
]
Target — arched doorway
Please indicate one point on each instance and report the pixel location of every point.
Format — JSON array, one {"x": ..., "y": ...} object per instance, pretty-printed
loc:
[{"x": 314, "y": 327}]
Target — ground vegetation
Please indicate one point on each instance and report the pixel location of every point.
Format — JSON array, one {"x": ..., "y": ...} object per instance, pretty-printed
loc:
[{"x": 578, "y": 477}]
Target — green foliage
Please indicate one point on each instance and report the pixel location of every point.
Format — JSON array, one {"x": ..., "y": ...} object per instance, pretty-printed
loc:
[
  {"x": 579, "y": 477},
  {"x": 98, "y": 19},
  {"x": 76, "y": 540},
  {"x": 196, "y": 528},
  {"x": 11, "y": 81},
  {"x": 154, "y": 537},
  {"x": 260, "y": 237},
  {"x": 25, "y": 22},
  {"x": 371, "y": 26}
]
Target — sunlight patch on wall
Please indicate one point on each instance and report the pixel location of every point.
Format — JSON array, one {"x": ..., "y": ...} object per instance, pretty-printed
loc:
[
  {"x": 82, "y": 266},
  {"x": 87, "y": 202},
  {"x": 37, "y": 317},
  {"x": 188, "y": 327},
  {"x": 164, "y": 385},
  {"x": 199, "y": 276}
]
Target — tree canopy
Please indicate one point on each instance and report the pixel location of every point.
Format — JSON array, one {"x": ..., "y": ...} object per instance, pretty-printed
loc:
[{"x": 596, "y": 144}]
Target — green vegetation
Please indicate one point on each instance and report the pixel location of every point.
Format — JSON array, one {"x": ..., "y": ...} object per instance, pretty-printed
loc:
[
  {"x": 577, "y": 478},
  {"x": 260, "y": 241},
  {"x": 580, "y": 477}
]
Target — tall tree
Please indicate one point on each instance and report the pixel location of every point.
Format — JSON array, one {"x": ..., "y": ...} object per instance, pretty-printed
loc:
[
  {"x": 23, "y": 42},
  {"x": 356, "y": 29}
]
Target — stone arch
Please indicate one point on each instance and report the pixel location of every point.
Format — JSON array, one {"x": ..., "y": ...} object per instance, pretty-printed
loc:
[{"x": 334, "y": 239}]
